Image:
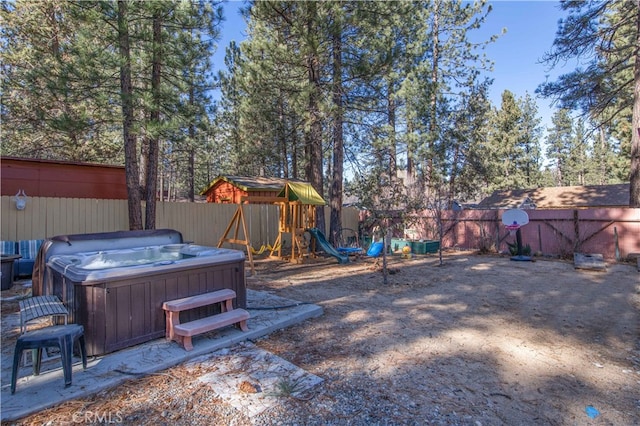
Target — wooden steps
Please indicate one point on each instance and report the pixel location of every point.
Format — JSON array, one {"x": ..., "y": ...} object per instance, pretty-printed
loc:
[{"x": 182, "y": 333}]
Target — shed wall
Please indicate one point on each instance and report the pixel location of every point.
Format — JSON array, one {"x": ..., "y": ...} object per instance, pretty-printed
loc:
[
  {"x": 43, "y": 178},
  {"x": 227, "y": 193}
]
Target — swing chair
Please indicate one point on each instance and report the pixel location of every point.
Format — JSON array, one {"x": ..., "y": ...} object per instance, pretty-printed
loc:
[{"x": 348, "y": 242}]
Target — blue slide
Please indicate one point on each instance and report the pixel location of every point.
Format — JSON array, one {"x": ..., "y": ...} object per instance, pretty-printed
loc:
[
  {"x": 375, "y": 249},
  {"x": 328, "y": 248}
]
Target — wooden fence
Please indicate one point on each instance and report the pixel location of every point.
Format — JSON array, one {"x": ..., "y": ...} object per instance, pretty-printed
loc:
[
  {"x": 201, "y": 223},
  {"x": 612, "y": 232}
]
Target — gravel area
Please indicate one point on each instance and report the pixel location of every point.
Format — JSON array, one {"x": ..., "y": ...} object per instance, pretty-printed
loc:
[{"x": 479, "y": 340}]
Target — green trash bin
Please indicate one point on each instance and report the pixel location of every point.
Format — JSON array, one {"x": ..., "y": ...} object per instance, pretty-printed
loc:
[
  {"x": 432, "y": 246},
  {"x": 418, "y": 247}
]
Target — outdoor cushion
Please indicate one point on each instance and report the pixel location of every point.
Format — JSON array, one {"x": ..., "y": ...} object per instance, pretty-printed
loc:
[
  {"x": 28, "y": 249},
  {"x": 7, "y": 247}
]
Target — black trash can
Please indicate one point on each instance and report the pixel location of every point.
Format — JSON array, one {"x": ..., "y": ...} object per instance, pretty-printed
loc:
[{"x": 6, "y": 279}]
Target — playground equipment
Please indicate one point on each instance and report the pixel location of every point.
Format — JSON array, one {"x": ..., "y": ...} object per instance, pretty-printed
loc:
[
  {"x": 375, "y": 249},
  {"x": 238, "y": 220},
  {"x": 513, "y": 220},
  {"x": 297, "y": 202},
  {"x": 348, "y": 242},
  {"x": 328, "y": 248},
  {"x": 263, "y": 248}
]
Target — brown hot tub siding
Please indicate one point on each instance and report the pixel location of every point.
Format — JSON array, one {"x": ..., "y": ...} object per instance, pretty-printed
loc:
[{"x": 124, "y": 312}]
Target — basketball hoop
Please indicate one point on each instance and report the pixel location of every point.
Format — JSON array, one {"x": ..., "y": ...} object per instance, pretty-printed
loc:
[
  {"x": 513, "y": 219},
  {"x": 512, "y": 229}
]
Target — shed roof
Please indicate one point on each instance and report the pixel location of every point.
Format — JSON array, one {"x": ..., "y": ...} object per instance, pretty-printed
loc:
[
  {"x": 298, "y": 190},
  {"x": 303, "y": 192},
  {"x": 561, "y": 197},
  {"x": 249, "y": 184}
]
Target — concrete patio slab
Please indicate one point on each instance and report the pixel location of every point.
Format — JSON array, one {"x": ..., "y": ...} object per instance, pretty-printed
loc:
[{"x": 36, "y": 393}]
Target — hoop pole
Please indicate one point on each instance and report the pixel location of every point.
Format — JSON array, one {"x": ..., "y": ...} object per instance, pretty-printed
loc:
[{"x": 519, "y": 241}]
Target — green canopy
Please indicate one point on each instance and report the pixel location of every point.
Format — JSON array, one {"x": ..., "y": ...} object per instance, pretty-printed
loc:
[{"x": 303, "y": 192}]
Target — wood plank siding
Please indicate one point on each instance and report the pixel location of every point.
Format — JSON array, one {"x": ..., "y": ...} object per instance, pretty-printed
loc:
[{"x": 45, "y": 178}]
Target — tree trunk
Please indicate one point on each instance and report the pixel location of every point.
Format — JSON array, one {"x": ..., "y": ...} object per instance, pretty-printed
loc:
[
  {"x": 454, "y": 173},
  {"x": 152, "y": 160},
  {"x": 314, "y": 140},
  {"x": 335, "y": 223},
  {"x": 602, "y": 166},
  {"x": 634, "y": 178},
  {"x": 434, "y": 98},
  {"x": 282, "y": 137},
  {"x": 411, "y": 171},
  {"x": 391, "y": 109},
  {"x": 295, "y": 173},
  {"x": 192, "y": 155},
  {"x": 130, "y": 142}
]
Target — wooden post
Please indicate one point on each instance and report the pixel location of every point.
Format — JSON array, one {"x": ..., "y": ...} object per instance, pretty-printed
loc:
[
  {"x": 576, "y": 232},
  {"x": 615, "y": 241},
  {"x": 293, "y": 229},
  {"x": 540, "y": 238},
  {"x": 237, "y": 220}
]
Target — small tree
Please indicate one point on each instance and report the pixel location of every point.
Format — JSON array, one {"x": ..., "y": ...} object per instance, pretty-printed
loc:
[
  {"x": 436, "y": 203},
  {"x": 384, "y": 198}
]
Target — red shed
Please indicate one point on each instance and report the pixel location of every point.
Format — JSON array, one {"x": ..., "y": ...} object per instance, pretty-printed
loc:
[
  {"x": 231, "y": 189},
  {"x": 65, "y": 179}
]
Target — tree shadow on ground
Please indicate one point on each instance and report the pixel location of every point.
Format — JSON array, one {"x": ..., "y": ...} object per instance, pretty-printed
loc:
[{"x": 478, "y": 339}]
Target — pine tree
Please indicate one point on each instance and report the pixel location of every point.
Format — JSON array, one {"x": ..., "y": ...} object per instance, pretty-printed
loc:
[
  {"x": 468, "y": 136},
  {"x": 559, "y": 145},
  {"x": 90, "y": 91},
  {"x": 447, "y": 72},
  {"x": 129, "y": 135},
  {"x": 578, "y": 161},
  {"x": 531, "y": 133},
  {"x": 196, "y": 30},
  {"x": 272, "y": 78},
  {"x": 605, "y": 36},
  {"x": 504, "y": 140},
  {"x": 228, "y": 126},
  {"x": 51, "y": 94}
]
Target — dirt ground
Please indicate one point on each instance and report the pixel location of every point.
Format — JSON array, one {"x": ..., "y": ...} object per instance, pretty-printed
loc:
[{"x": 479, "y": 340}]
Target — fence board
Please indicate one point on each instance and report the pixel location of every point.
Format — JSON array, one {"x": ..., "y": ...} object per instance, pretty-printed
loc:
[
  {"x": 550, "y": 232},
  {"x": 6, "y": 219},
  {"x": 39, "y": 225}
]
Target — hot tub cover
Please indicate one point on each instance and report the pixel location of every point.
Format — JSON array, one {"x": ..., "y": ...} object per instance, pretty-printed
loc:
[{"x": 68, "y": 244}]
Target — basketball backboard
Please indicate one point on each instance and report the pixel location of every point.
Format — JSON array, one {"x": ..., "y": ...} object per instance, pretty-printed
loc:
[{"x": 515, "y": 217}]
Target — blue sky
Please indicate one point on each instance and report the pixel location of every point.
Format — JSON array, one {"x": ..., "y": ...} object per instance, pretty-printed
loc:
[{"x": 531, "y": 27}]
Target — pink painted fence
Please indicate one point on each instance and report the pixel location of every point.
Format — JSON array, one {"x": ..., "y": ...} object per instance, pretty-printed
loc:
[{"x": 612, "y": 232}]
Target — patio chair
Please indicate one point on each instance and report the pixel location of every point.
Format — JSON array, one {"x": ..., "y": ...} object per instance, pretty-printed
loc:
[{"x": 61, "y": 336}]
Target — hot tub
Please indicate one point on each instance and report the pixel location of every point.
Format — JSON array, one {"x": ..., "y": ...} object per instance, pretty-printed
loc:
[{"x": 117, "y": 294}]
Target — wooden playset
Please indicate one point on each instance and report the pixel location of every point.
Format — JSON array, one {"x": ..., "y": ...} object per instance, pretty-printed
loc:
[{"x": 297, "y": 202}]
